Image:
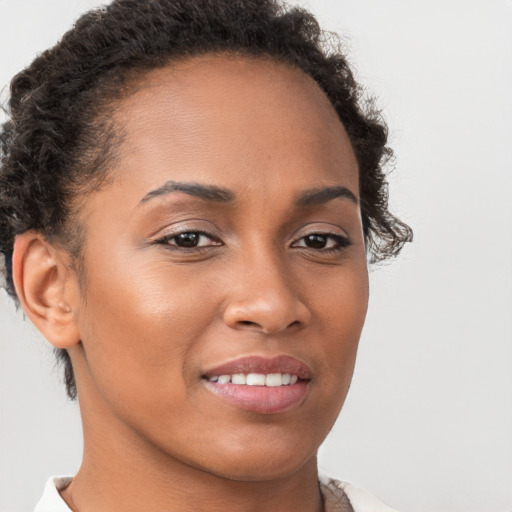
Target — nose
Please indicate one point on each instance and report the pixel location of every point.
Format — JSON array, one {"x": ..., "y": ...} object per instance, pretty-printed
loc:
[{"x": 263, "y": 299}]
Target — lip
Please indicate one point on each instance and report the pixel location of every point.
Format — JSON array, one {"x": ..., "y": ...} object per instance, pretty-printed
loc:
[{"x": 261, "y": 399}]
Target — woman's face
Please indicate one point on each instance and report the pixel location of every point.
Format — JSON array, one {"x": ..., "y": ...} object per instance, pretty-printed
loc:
[{"x": 228, "y": 242}]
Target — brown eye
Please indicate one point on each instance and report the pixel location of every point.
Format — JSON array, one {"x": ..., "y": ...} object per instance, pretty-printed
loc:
[
  {"x": 323, "y": 242},
  {"x": 187, "y": 240},
  {"x": 316, "y": 241}
]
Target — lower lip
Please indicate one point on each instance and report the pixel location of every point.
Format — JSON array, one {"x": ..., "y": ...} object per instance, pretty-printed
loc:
[{"x": 261, "y": 399}]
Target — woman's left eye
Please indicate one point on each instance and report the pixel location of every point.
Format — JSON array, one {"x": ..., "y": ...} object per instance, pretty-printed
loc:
[
  {"x": 189, "y": 240},
  {"x": 323, "y": 241}
]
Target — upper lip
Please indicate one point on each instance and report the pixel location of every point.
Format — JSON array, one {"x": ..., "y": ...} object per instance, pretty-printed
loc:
[{"x": 262, "y": 364}]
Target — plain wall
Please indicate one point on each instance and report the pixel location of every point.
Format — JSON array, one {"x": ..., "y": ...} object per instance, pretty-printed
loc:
[{"x": 427, "y": 425}]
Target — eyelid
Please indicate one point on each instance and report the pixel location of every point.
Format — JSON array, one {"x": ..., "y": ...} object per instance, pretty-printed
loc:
[
  {"x": 336, "y": 235},
  {"x": 186, "y": 225},
  {"x": 320, "y": 228},
  {"x": 199, "y": 226},
  {"x": 342, "y": 241}
]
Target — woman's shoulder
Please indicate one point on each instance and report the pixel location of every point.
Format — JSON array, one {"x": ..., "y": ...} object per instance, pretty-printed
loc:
[{"x": 343, "y": 496}]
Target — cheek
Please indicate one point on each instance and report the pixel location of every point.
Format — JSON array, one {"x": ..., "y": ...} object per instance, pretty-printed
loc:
[
  {"x": 340, "y": 314},
  {"x": 139, "y": 327}
]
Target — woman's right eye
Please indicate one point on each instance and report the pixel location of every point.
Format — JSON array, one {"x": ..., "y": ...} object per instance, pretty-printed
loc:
[{"x": 189, "y": 240}]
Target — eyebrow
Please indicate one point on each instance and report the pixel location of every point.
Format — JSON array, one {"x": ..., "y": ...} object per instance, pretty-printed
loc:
[
  {"x": 323, "y": 195},
  {"x": 311, "y": 197},
  {"x": 206, "y": 192}
]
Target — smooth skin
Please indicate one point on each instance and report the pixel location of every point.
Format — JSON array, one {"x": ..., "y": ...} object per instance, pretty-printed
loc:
[{"x": 174, "y": 284}]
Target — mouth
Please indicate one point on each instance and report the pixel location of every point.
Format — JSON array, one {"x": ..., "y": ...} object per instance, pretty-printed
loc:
[
  {"x": 256, "y": 379},
  {"x": 260, "y": 385}
]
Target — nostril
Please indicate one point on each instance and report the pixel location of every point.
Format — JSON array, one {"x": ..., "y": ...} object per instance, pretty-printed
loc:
[
  {"x": 267, "y": 315},
  {"x": 248, "y": 323}
]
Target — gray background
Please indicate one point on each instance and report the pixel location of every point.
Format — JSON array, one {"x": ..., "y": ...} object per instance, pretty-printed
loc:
[{"x": 428, "y": 423}]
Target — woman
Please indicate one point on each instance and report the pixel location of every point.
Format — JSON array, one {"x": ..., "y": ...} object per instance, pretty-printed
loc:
[{"x": 190, "y": 192}]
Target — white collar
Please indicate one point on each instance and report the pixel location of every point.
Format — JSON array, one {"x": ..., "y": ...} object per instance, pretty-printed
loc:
[
  {"x": 51, "y": 501},
  {"x": 361, "y": 501}
]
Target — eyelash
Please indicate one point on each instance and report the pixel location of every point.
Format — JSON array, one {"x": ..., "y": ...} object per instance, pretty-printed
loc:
[
  {"x": 341, "y": 242},
  {"x": 166, "y": 239}
]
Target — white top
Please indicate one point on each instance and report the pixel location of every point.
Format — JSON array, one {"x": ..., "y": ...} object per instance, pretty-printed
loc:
[
  {"x": 51, "y": 500},
  {"x": 335, "y": 494}
]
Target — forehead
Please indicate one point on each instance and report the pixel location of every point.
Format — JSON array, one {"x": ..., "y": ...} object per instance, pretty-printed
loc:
[{"x": 234, "y": 120}]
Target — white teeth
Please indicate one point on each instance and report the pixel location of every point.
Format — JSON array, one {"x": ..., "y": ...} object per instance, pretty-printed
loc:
[
  {"x": 273, "y": 380},
  {"x": 238, "y": 378},
  {"x": 256, "y": 379}
]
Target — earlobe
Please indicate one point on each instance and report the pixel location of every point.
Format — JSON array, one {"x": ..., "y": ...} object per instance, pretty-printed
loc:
[{"x": 46, "y": 288}]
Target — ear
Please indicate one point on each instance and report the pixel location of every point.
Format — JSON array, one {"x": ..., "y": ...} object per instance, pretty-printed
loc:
[{"x": 47, "y": 288}]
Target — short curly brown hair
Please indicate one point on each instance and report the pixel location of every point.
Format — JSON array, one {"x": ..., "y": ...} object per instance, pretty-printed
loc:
[{"x": 57, "y": 141}]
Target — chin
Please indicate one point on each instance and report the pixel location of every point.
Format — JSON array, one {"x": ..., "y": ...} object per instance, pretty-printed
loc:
[
  {"x": 262, "y": 473},
  {"x": 262, "y": 464}
]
